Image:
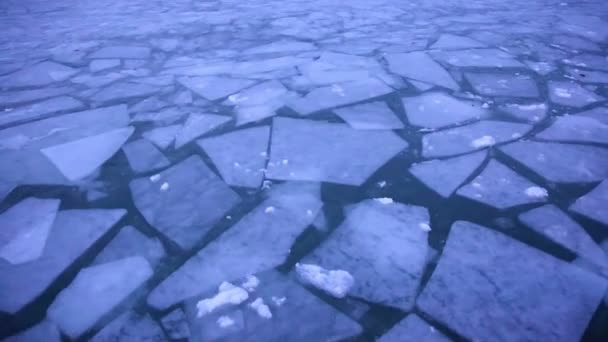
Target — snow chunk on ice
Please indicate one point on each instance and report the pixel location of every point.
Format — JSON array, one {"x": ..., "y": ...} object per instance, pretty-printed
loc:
[
  {"x": 353, "y": 247},
  {"x": 197, "y": 200},
  {"x": 242, "y": 148},
  {"x": 536, "y": 192},
  {"x": 446, "y": 175},
  {"x": 460, "y": 139},
  {"x": 228, "y": 294},
  {"x": 484, "y": 141},
  {"x": 500, "y": 187},
  {"x": 262, "y": 309},
  {"x": 80, "y": 158},
  {"x": 334, "y": 282},
  {"x": 593, "y": 204},
  {"x": 95, "y": 292},
  {"x": 420, "y": 67},
  {"x": 225, "y": 321},
  {"x": 374, "y": 115},
  {"x": 436, "y": 110},
  {"x": 512, "y": 280},
  {"x": 256, "y": 243},
  {"x": 251, "y": 283},
  {"x": 321, "y": 151},
  {"x": 384, "y": 200},
  {"x": 413, "y": 329},
  {"x": 561, "y": 163}
]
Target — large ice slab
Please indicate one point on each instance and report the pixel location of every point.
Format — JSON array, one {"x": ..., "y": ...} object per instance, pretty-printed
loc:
[
  {"x": 530, "y": 112},
  {"x": 44, "y": 331},
  {"x": 38, "y": 75},
  {"x": 485, "y": 58},
  {"x": 449, "y": 41},
  {"x": 197, "y": 125},
  {"x": 131, "y": 326},
  {"x": 501, "y": 188},
  {"x": 25, "y": 229},
  {"x": 288, "y": 304},
  {"x": 593, "y": 204},
  {"x": 259, "y": 241},
  {"x": 239, "y": 156},
  {"x": 143, "y": 156},
  {"x": 95, "y": 291},
  {"x": 436, "y": 110},
  {"x": 259, "y": 102},
  {"x": 214, "y": 87},
  {"x": 123, "y": 91},
  {"x": 131, "y": 242},
  {"x": 527, "y": 293},
  {"x": 72, "y": 234},
  {"x": 339, "y": 94},
  {"x": 389, "y": 275},
  {"x": 420, "y": 67},
  {"x": 80, "y": 158},
  {"x": 374, "y": 115},
  {"x": 576, "y": 128},
  {"x": 471, "y": 137},
  {"x": 184, "y": 201},
  {"x": 561, "y": 163},
  {"x": 413, "y": 329},
  {"x": 320, "y": 151},
  {"x": 122, "y": 51},
  {"x": 40, "y": 110},
  {"x": 571, "y": 94},
  {"x": 64, "y": 128},
  {"x": 507, "y": 85},
  {"x": 444, "y": 176},
  {"x": 556, "y": 225}
]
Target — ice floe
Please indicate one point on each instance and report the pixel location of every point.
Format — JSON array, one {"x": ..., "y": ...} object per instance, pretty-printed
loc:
[
  {"x": 374, "y": 115},
  {"x": 592, "y": 204},
  {"x": 436, "y": 110},
  {"x": 413, "y": 329},
  {"x": 143, "y": 156}
]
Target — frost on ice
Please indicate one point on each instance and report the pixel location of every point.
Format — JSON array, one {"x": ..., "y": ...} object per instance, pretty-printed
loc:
[
  {"x": 228, "y": 294},
  {"x": 334, "y": 282}
]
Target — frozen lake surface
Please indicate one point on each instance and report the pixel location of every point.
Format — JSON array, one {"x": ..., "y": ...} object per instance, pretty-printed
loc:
[{"x": 319, "y": 170}]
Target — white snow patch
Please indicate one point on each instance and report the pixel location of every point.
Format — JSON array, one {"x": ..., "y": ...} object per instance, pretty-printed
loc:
[
  {"x": 269, "y": 210},
  {"x": 262, "y": 309},
  {"x": 225, "y": 322},
  {"x": 561, "y": 92},
  {"x": 155, "y": 178},
  {"x": 536, "y": 192},
  {"x": 251, "y": 283},
  {"x": 335, "y": 282},
  {"x": 278, "y": 301},
  {"x": 485, "y": 141},
  {"x": 384, "y": 200},
  {"x": 425, "y": 227},
  {"x": 164, "y": 187},
  {"x": 228, "y": 294}
]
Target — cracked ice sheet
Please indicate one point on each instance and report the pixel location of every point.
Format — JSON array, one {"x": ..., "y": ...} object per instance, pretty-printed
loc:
[
  {"x": 131, "y": 242},
  {"x": 260, "y": 241},
  {"x": 38, "y": 75},
  {"x": 143, "y": 156},
  {"x": 571, "y": 94},
  {"x": 370, "y": 116},
  {"x": 420, "y": 67},
  {"x": 529, "y": 294},
  {"x": 576, "y": 128},
  {"x": 485, "y": 58},
  {"x": 531, "y": 112},
  {"x": 338, "y": 95},
  {"x": 25, "y": 229},
  {"x": 239, "y": 156},
  {"x": 131, "y": 326},
  {"x": 184, "y": 201},
  {"x": 197, "y": 125},
  {"x": 413, "y": 329},
  {"x": 323, "y": 152},
  {"x": 506, "y": 85},
  {"x": 471, "y": 137},
  {"x": 453, "y": 42},
  {"x": 214, "y": 87},
  {"x": 499, "y": 187},
  {"x": 259, "y": 102},
  {"x": 72, "y": 234},
  {"x": 593, "y": 204},
  {"x": 556, "y": 225},
  {"x": 288, "y": 302},
  {"x": 436, "y": 110},
  {"x": 444, "y": 176},
  {"x": 11, "y": 98},
  {"x": 39, "y": 110},
  {"x": 389, "y": 275},
  {"x": 96, "y": 291},
  {"x": 561, "y": 163}
]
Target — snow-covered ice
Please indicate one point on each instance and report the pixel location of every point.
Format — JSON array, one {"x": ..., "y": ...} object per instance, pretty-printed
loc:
[
  {"x": 227, "y": 294},
  {"x": 334, "y": 282},
  {"x": 436, "y": 110}
]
